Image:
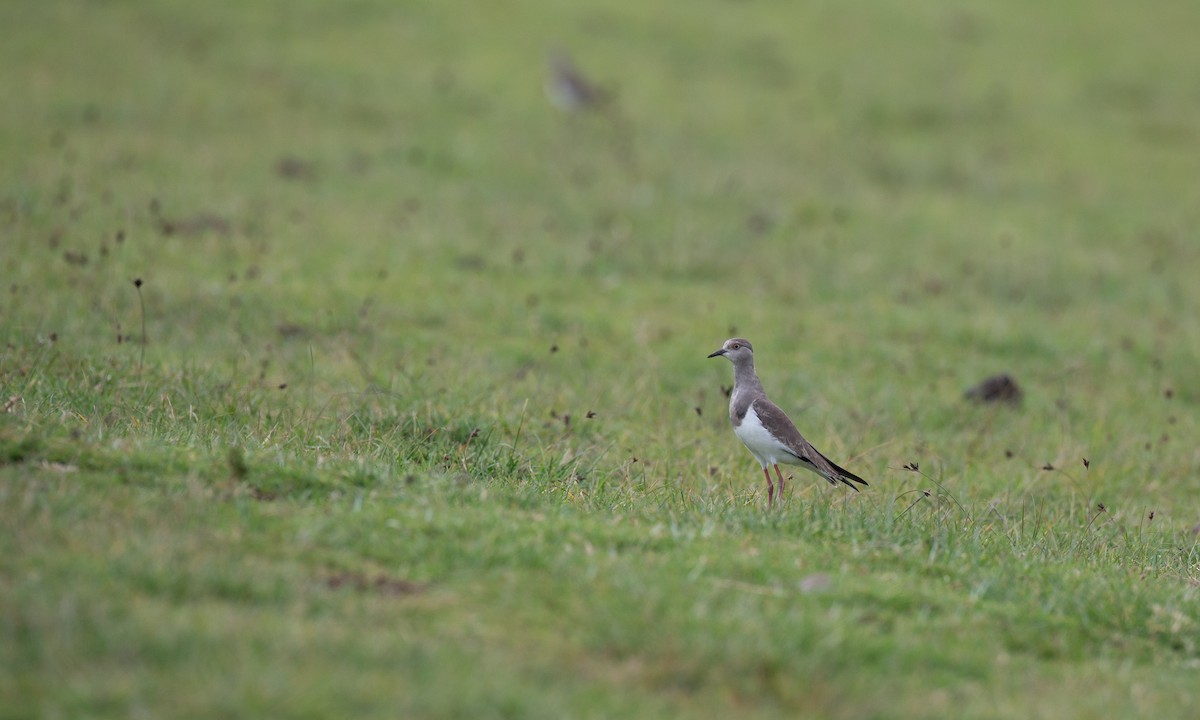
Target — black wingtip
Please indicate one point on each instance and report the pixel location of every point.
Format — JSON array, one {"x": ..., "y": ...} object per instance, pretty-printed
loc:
[{"x": 846, "y": 477}]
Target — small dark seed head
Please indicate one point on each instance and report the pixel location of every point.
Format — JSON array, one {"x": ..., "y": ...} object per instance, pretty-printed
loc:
[{"x": 137, "y": 282}]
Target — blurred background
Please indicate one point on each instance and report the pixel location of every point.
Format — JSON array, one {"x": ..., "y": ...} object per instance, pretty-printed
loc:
[{"x": 892, "y": 200}]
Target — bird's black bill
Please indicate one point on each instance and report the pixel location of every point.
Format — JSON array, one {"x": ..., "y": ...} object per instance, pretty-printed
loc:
[{"x": 719, "y": 352}]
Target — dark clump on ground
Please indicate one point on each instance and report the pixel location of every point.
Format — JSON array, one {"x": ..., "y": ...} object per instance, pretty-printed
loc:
[{"x": 997, "y": 388}]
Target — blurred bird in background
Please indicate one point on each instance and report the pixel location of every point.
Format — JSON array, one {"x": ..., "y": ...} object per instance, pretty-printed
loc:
[{"x": 568, "y": 89}]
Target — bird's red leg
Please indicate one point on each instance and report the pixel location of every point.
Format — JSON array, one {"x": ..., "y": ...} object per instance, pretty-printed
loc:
[
  {"x": 780, "y": 476},
  {"x": 770, "y": 488}
]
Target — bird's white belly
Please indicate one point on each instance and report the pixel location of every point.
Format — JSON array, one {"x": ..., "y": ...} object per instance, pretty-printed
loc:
[{"x": 765, "y": 448}]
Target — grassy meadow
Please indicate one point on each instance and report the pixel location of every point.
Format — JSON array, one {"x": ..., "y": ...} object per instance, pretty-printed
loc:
[{"x": 343, "y": 375}]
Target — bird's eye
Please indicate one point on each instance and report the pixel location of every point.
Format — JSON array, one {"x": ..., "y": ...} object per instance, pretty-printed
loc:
[{"x": 735, "y": 346}]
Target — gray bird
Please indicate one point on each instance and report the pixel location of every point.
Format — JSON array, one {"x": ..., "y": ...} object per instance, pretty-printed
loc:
[
  {"x": 567, "y": 87},
  {"x": 766, "y": 430}
]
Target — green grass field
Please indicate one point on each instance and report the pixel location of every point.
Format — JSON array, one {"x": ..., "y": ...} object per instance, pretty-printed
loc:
[{"x": 410, "y": 416}]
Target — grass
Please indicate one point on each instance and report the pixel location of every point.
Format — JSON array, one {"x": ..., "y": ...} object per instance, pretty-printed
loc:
[{"x": 409, "y": 414}]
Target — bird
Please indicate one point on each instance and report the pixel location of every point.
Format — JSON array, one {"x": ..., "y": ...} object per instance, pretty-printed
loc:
[
  {"x": 568, "y": 89},
  {"x": 766, "y": 431}
]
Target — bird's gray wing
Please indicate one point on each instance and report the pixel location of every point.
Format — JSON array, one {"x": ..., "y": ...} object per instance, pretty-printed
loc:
[{"x": 781, "y": 426}]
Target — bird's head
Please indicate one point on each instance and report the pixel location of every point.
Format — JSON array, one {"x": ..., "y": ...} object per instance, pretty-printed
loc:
[{"x": 736, "y": 350}]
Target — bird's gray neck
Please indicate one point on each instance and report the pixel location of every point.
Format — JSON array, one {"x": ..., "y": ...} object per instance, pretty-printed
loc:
[{"x": 746, "y": 388}]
